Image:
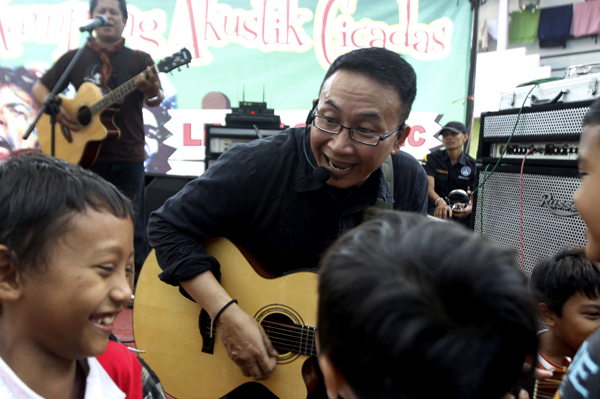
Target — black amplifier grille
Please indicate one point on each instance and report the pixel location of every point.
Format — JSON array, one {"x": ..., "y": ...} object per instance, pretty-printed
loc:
[{"x": 540, "y": 123}]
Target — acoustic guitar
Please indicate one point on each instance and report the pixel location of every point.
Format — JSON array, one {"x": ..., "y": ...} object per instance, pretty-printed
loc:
[
  {"x": 193, "y": 363},
  {"x": 94, "y": 113}
]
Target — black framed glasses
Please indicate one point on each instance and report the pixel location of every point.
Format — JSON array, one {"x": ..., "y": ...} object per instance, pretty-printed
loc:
[{"x": 364, "y": 136}]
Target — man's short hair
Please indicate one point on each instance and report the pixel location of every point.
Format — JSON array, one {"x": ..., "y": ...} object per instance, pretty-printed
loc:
[
  {"x": 402, "y": 297},
  {"x": 557, "y": 279},
  {"x": 39, "y": 195},
  {"x": 385, "y": 67},
  {"x": 122, "y": 7}
]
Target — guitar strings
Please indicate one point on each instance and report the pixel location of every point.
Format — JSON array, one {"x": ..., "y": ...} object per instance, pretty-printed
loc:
[{"x": 280, "y": 334}]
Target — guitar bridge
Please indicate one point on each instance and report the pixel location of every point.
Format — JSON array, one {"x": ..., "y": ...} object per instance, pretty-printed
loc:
[{"x": 204, "y": 325}]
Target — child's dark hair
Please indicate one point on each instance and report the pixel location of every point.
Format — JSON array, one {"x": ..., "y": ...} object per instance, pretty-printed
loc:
[
  {"x": 556, "y": 279},
  {"x": 402, "y": 297},
  {"x": 39, "y": 196},
  {"x": 593, "y": 115}
]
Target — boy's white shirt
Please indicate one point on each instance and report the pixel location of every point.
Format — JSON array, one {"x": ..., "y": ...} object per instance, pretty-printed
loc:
[{"x": 98, "y": 384}]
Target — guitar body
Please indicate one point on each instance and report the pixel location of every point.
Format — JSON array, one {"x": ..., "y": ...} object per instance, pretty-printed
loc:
[
  {"x": 166, "y": 326},
  {"x": 80, "y": 147}
]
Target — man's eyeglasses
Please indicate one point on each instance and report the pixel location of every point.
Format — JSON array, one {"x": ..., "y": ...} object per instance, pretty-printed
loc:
[{"x": 363, "y": 136}]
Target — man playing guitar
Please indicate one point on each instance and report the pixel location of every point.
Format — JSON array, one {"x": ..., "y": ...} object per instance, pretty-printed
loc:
[
  {"x": 287, "y": 197},
  {"x": 119, "y": 161}
]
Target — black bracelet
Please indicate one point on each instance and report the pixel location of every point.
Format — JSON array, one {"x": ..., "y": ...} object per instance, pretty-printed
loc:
[{"x": 214, "y": 321}]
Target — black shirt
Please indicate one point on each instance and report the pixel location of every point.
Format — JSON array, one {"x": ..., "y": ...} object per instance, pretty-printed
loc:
[
  {"x": 450, "y": 177},
  {"x": 583, "y": 378},
  {"x": 263, "y": 195}
]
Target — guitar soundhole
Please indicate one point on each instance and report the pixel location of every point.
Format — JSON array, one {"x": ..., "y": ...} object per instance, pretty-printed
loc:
[
  {"x": 282, "y": 332},
  {"x": 84, "y": 116}
]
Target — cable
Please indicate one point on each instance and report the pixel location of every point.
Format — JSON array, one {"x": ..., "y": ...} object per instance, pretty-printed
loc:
[
  {"x": 521, "y": 210},
  {"x": 485, "y": 176}
]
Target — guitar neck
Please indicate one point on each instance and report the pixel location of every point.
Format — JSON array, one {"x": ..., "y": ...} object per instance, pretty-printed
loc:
[{"x": 116, "y": 94}]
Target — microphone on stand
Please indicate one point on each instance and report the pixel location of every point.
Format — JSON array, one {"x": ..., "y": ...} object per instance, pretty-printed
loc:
[
  {"x": 321, "y": 174},
  {"x": 94, "y": 23}
]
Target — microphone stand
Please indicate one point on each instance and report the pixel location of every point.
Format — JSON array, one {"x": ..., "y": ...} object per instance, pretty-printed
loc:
[{"x": 51, "y": 104}]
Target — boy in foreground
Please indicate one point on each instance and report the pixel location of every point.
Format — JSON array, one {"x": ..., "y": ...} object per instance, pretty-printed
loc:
[
  {"x": 66, "y": 251},
  {"x": 398, "y": 305}
]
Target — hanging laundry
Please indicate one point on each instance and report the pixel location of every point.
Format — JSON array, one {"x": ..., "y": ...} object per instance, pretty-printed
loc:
[
  {"x": 555, "y": 26},
  {"x": 586, "y": 19},
  {"x": 523, "y": 26}
]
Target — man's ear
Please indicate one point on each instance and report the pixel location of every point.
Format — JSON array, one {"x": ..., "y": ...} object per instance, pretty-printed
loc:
[
  {"x": 401, "y": 138},
  {"x": 546, "y": 314},
  {"x": 10, "y": 277},
  {"x": 335, "y": 383}
]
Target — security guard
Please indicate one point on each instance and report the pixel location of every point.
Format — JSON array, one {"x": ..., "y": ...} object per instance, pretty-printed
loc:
[{"x": 449, "y": 169}]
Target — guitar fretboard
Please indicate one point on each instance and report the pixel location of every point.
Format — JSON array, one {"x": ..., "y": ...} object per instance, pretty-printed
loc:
[{"x": 116, "y": 94}]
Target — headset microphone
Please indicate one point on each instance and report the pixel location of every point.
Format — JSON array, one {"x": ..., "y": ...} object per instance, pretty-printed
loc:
[{"x": 321, "y": 173}]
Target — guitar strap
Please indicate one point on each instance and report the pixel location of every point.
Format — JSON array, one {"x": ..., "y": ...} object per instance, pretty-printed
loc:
[
  {"x": 388, "y": 170},
  {"x": 123, "y": 68}
]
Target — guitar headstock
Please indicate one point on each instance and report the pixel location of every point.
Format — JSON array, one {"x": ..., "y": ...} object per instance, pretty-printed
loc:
[{"x": 180, "y": 58}]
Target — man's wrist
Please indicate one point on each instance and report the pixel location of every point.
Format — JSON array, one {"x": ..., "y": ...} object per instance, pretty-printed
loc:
[
  {"x": 437, "y": 201},
  {"x": 153, "y": 99}
]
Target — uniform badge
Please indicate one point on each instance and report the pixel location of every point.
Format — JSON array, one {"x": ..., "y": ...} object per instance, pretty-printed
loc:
[{"x": 465, "y": 171}]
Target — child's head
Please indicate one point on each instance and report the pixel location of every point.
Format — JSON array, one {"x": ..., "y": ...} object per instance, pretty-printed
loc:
[
  {"x": 66, "y": 247},
  {"x": 586, "y": 197},
  {"x": 567, "y": 288},
  {"x": 402, "y": 297}
]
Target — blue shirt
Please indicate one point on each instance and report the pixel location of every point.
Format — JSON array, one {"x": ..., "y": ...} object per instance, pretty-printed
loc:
[{"x": 263, "y": 196}]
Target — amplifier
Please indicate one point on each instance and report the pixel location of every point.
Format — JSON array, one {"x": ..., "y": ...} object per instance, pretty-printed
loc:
[
  {"x": 550, "y": 219},
  {"x": 551, "y": 131},
  {"x": 221, "y": 138}
]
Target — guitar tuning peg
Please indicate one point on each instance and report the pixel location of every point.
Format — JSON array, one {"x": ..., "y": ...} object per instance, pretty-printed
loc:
[
  {"x": 187, "y": 65},
  {"x": 178, "y": 69}
]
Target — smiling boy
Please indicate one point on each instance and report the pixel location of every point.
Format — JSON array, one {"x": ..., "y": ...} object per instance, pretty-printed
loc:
[
  {"x": 66, "y": 253},
  {"x": 567, "y": 289},
  {"x": 583, "y": 378}
]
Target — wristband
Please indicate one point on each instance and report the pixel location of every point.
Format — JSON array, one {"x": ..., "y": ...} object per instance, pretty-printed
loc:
[
  {"x": 214, "y": 321},
  {"x": 436, "y": 201},
  {"x": 155, "y": 98}
]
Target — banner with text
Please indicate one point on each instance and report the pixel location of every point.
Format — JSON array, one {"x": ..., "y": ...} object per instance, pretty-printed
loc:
[{"x": 272, "y": 51}]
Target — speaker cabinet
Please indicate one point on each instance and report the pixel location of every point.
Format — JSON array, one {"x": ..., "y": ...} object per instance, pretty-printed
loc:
[{"x": 550, "y": 219}]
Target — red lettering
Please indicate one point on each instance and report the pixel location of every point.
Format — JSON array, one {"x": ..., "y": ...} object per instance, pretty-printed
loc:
[
  {"x": 413, "y": 134},
  {"x": 425, "y": 44},
  {"x": 3, "y": 36},
  {"x": 264, "y": 20},
  {"x": 130, "y": 23},
  {"x": 391, "y": 38},
  {"x": 406, "y": 44},
  {"x": 208, "y": 24},
  {"x": 193, "y": 26},
  {"x": 344, "y": 34},
  {"x": 147, "y": 38},
  {"x": 277, "y": 21},
  {"x": 354, "y": 33},
  {"x": 236, "y": 30},
  {"x": 247, "y": 28},
  {"x": 382, "y": 40},
  {"x": 441, "y": 44},
  {"x": 324, "y": 30},
  {"x": 291, "y": 26},
  {"x": 188, "y": 141}
]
